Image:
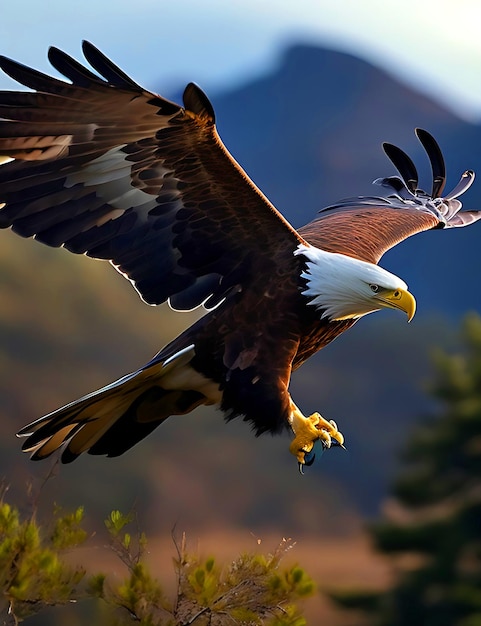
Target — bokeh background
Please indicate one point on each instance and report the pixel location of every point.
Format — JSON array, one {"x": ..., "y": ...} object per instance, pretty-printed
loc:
[{"x": 305, "y": 93}]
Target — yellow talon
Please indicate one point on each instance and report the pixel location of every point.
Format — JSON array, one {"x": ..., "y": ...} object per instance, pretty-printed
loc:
[{"x": 308, "y": 430}]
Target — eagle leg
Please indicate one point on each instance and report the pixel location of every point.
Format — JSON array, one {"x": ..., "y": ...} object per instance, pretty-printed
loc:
[{"x": 307, "y": 431}]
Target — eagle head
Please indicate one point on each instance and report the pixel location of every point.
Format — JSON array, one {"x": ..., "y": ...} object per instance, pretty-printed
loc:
[{"x": 342, "y": 287}]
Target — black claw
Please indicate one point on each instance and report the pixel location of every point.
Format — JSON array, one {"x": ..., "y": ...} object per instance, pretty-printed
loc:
[
  {"x": 335, "y": 444},
  {"x": 310, "y": 457}
]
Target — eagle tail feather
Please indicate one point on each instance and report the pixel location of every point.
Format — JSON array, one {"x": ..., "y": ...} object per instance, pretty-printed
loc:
[{"x": 113, "y": 419}]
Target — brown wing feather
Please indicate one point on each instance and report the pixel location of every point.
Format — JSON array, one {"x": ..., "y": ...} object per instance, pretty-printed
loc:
[
  {"x": 105, "y": 168},
  {"x": 366, "y": 228},
  {"x": 366, "y": 232}
]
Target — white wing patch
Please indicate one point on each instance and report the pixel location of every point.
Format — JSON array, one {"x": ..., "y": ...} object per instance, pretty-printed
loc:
[{"x": 110, "y": 174}]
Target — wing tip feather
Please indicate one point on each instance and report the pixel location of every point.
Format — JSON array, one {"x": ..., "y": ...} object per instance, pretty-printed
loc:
[{"x": 197, "y": 102}]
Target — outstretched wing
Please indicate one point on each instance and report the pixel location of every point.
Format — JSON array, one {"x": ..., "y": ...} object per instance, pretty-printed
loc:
[
  {"x": 105, "y": 168},
  {"x": 367, "y": 227}
]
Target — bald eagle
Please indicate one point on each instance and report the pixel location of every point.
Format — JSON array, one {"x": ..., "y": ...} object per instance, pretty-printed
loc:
[{"x": 102, "y": 167}]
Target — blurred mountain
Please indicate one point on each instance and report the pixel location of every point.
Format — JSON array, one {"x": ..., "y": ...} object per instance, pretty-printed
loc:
[{"x": 309, "y": 134}]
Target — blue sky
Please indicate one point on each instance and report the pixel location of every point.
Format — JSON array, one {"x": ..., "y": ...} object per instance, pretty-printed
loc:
[{"x": 433, "y": 44}]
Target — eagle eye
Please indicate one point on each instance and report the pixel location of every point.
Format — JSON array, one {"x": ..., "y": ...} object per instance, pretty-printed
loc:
[{"x": 374, "y": 288}]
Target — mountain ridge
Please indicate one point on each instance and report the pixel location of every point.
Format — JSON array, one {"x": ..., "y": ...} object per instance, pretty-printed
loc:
[{"x": 310, "y": 132}]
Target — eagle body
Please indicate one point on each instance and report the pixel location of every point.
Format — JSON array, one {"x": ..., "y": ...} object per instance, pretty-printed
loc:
[
  {"x": 252, "y": 369},
  {"x": 100, "y": 166},
  {"x": 215, "y": 362}
]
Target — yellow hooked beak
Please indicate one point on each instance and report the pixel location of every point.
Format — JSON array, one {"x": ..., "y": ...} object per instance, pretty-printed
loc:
[{"x": 399, "y": 299}]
